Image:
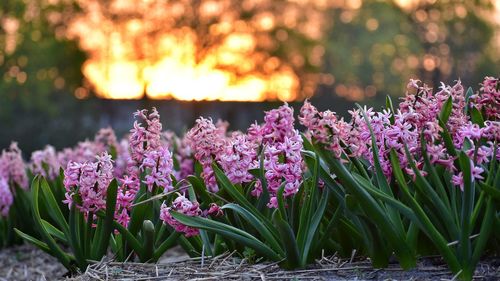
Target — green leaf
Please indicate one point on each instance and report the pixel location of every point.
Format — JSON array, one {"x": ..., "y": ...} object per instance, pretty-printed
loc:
[
  {"x": 264, "y": 197},
  {"x": 165, "y": 245},
  {"x": 467, "y": 208},
  {"x": 74, "y": 236},
  {"x": 51, "y": 243},
  {"x": 52, "y": 230},
  {"x": 224, "y": 183},
  {"x": 389, "y": 105},
  {"x": 315, "y": 221},
  {"x": 53, "y": 207},
  {"x": 376, "y": 212},
  {"x": 426, "y": 189},
  {"x": 446, "y": 110},
  {"x": 200, "y": 189},
  {"x": 381, "y": 179},
  {"x": 230, "y": 232},
  {"x": 148, "y": 232},
  {"x": 39, "y": 244},
  {"x": 422, "y": 219},
  {"x": 491, "y": 191},
  {"x": 103, "y": 240},
  {"x": 138, "y": 214},
  {"x": 289, "y": 243},
  {"x": 476, "y": 116},
  {"x": 258, "y": 225},
  {"x": 129, "y": 237}
]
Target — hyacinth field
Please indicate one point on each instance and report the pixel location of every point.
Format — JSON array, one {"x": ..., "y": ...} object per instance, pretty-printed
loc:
[{"x": 419, "y": 177}]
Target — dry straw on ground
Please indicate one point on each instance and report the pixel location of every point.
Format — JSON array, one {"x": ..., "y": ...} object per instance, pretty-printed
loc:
[
  {"x": 27, "y": 263},
  {"x": 229, "y": 267}
]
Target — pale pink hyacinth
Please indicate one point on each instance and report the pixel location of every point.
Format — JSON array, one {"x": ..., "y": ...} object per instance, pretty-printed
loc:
[
  {"x": 12, "y": 166},
  {"x": 182, "y": 205},
  {"x": 278, "y": 124},
  {"x": 124, "y": 199},
  {"x": 282, "y": 146},
  {"x": 88, "y": 182},
  {"x": 238, "y": 157},
  {"x": 417, "y": 113},
  {"x": 82, "y": 152},
  {"x": 106, "y": 137},
  {"x": 283, "y": 163},
  {"x": 159, "y": 167},
  {"x": 325, "y": 127},
  {"x": 488, "y": 98},
  {"x": 182, "y": 153},
  {"x": 206, "y": 141},
  {"x": 146, "y": 135},
  {"x": 6, "y": 197},
  {"x": 45, "y": 163}
]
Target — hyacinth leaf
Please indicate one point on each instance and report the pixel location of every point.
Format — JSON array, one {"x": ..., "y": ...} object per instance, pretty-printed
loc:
[
  {"x": 281, "y": 201},
  {"x": 224, "y": 182},
  {"x": 448, "y": 142},
  {"x": 375, "y": 192},
  {"x": 426, "y": 189},
  {"x": 390, "y": 106},
  {"x": 229, "y": 232},
  {"x": 326, "y": 234},
  {"x": 264, "y": 197},
  {"x": 311, "y": 231},
  {"x": 370, "y": 205},
  {"x": 53, "y": 207},
  {"x": 492, "y": 176},
  {"x": 200, "y": 189},
  {"x": 148, "y": 232},
  {"x": 258, "y": 225},
  {"x": 51, "y": 243},
  {"x": 491, "y": 191},
  {"x": 476, "y": 116},
  {"x": 100, "y": 247},
  {"x": 75, "y": 218},
  {"x": 310, "y": 218},
  {"x": 129, "y": 237},
  {"x": 52, "y": 230},
  {"x": 165, "y": 245},
  {"x": 467, "y": 208},
  {"x": 138, "y": 214},
  {"x": 304, "y": 218},
  {"x": 335, "y": 188},
  {"x": 295, "y": 209},
  {"x": 433, "y": 174},
  {"x": 381, "y": 179},
  {"x": 445, "y": 113},
  {"x": 288, "y": 241},
  {"x": 468, "y": 94},
  {"x": 421, "y": 218},
  {"x": 207, "y": 245},
  {"x": 188, "y": 247},
  {"x": 39, "y": 244},
  {"x": 484, "y": 233}
]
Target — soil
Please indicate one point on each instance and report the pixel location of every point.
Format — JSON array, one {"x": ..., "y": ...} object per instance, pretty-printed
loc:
[{"x": 27, "y": 263}]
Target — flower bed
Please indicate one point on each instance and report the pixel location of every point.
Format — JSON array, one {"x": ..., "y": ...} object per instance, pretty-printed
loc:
[{"x": 420, "y": 178}]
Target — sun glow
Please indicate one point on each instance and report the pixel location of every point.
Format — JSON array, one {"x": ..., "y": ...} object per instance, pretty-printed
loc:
[{"x": 135, "y": 58}]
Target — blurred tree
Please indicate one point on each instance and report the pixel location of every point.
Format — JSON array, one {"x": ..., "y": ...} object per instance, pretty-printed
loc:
[
  {"x": 373, "y": 49},
  {"x": 238, "y": 48},
  {"x": 40, "y": 71}
]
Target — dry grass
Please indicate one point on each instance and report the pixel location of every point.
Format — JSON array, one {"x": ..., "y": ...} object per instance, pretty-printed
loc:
[
  {"x": 229, "y": 267},
  {"x": 27, "y": 263}
]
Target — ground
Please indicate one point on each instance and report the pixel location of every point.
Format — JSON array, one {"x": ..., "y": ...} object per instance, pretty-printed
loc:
[{"x": 27, "y": 263}]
